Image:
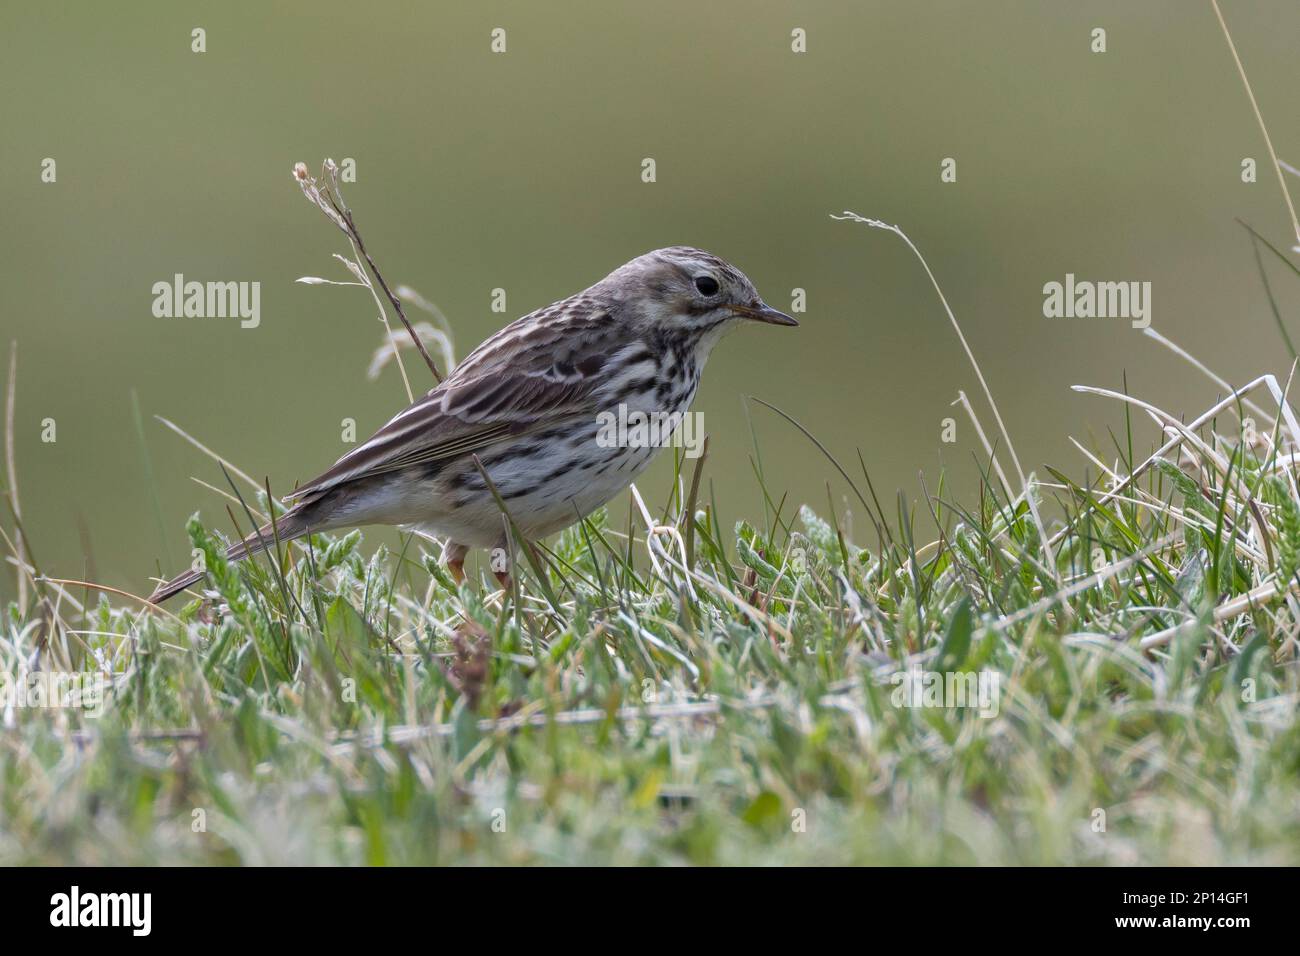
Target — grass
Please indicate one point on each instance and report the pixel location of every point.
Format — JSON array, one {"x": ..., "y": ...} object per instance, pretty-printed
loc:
[{"x": 329, "y": 707}]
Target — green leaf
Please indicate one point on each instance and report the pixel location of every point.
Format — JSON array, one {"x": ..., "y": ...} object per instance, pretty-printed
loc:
[
  {"x": 766, "y": 807},
  {"x": 956, "y": 640},
  {"x": 1241, "y": 667}
]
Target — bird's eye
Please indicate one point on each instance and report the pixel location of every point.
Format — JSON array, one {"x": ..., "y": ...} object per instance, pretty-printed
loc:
[{"x": 707, "y": 285}]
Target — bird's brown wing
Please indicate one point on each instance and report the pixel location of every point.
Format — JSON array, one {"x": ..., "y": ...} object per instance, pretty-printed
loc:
[{"x": 525, "y": 378}]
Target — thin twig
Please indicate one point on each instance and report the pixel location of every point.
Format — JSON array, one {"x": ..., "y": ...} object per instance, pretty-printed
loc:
[
  {"x": 988, "y": 393},
  {"x": 1259, "y": 118},
  {"x": 11, "y": 470},
  {"x": 208, "y": 451},
  {"x": 330, "y": 201},
  {"x": 688, "y": 515},
  {"x": 396, "y": 302},
  {"x": 120, "y": 593}
]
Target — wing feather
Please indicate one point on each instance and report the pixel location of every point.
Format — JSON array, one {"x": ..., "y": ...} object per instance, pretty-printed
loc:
[{"x": 545, "y": 367}]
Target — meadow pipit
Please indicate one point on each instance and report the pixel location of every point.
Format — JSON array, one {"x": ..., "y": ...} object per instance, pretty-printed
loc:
[{"x": 526, "y": 402}]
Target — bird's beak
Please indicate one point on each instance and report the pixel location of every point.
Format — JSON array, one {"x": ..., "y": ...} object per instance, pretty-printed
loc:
[{"x": 760, "y": 311}]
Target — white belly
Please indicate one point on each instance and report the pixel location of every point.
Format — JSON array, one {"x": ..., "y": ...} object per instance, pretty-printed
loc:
[{"x": 544, "y": 490}]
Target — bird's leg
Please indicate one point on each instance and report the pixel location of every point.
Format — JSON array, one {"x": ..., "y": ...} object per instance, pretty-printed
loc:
[{"x": 454, "y": 557}]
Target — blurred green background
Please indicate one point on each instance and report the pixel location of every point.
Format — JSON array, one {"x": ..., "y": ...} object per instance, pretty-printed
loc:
[{"x": 522, "y": 171}]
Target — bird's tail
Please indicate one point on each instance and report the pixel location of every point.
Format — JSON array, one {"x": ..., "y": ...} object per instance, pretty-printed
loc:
[{"x": 291, "y": 525}]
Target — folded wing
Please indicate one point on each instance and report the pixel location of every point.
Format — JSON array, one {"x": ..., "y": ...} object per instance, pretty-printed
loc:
[{"x": 527, "y": 377}]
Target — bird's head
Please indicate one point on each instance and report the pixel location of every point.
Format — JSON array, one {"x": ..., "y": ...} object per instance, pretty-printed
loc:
[{"x": 680, "y": 288}]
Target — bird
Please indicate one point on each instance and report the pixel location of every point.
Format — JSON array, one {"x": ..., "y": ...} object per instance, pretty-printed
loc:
[{"x": 523, "y": 407}]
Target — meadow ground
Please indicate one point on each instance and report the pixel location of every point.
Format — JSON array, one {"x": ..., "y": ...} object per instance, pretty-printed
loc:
[{"x": 1116, "y": 684}]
